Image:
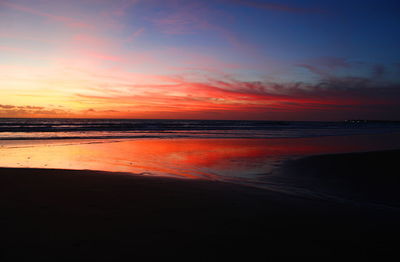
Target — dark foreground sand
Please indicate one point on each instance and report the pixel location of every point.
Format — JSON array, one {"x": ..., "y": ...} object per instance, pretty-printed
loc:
[{"x": 77, "y": 215}]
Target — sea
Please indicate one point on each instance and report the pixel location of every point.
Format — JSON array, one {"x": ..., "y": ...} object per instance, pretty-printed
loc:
[
  {"x": 46, "y": 129},
  {"x": 248, "y": 153}
]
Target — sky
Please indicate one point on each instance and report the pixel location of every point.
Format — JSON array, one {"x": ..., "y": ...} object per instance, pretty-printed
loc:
[{"x": 188, "y": 59}]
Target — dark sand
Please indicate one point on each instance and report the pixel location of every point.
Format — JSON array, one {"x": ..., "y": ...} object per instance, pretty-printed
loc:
[{"x": 78, "y": 215}]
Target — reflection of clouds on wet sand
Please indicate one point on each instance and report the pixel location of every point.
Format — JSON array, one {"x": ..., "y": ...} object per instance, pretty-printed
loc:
[{"x": 187, "y": 158}]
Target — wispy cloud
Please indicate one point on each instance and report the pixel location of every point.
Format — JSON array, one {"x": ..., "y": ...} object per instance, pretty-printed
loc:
[
  {"x": 17, "y": 50},
  {"x": 27, "y": 9},
  {"x": 334, "y": 97},
  {"x": 277, "y": 7},
  {"x": 90, "y": 61},
  {"x": 32, "y": 111},
  {"x": 136, "y": 34},
  {"x": 330, "y": 99}
]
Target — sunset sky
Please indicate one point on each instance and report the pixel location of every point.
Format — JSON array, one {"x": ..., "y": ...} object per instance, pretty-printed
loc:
[{"x": 219, "y": 59}]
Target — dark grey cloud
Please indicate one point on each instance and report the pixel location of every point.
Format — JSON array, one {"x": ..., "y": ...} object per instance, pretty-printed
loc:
[{"x": 378, "y": 71}]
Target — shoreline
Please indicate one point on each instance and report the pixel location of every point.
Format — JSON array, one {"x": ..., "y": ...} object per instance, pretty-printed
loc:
[
  {"x": 210, "y": 158},
  {"x": 50, "y": 213},
  {"x": 190, "y": 136}
]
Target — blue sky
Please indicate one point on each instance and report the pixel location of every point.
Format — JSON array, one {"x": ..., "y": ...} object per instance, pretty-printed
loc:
[{"x": 259, "y": 59}]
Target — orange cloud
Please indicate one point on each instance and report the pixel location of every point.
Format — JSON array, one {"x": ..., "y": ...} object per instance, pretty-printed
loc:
[{"x": 184, "y": 99}]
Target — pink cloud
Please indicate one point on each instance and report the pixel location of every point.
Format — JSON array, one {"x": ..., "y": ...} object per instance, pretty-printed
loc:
[
  {"x": 17, "y": 50},
  {"x": 136, "y": 34}
]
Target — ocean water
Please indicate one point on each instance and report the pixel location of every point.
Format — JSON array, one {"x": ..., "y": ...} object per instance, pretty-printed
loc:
[
  {"x": 39, "y": 129},
  {"x": 243, "y": 152}
]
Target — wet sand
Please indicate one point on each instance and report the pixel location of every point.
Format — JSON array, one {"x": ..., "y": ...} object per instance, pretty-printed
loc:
[{"x": 64, "y": 214}]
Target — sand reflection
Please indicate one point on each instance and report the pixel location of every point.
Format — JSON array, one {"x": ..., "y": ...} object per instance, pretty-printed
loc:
[{"x": 186, "y": 158}]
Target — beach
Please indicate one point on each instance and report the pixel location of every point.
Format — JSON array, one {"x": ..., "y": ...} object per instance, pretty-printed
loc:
[
  {"x": 81, "y": 214},
  {"x": 199, "y": 130}
]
